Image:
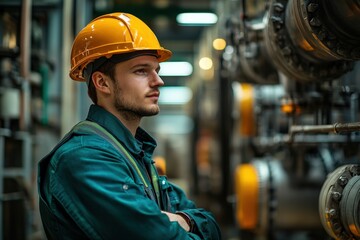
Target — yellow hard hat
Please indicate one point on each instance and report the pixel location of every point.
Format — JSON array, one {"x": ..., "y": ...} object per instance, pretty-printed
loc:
[{"x": 112, "y": 34}]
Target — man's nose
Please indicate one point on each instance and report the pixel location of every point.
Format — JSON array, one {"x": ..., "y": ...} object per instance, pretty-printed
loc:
[{"x": 157, "y": 80}]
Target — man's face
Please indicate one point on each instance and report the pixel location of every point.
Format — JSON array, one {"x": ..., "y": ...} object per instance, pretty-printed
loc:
[{"x": 136, "y": 88}]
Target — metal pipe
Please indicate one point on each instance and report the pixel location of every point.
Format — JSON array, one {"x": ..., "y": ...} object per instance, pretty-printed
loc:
[
  {"x": 25, "y": 39},
  {"x": 334, "y": 128},
  {"x": 68, "y": 94},
  {"x": 25, "y": 48}
]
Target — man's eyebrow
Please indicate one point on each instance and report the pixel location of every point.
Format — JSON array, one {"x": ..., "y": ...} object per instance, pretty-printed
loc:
[
  {"x": 141, "y": 65},
  {"x": 145, "y": 65}
]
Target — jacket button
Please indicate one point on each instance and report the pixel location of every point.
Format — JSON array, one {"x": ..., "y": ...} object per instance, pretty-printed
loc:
[{"x": 125, "y": 187}]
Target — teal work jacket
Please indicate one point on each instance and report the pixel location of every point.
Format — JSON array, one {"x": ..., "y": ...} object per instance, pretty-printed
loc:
[{"x": 89, "y": 190}]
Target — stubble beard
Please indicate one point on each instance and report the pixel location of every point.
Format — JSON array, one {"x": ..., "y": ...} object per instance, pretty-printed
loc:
[{"x": 130, "y": 109}]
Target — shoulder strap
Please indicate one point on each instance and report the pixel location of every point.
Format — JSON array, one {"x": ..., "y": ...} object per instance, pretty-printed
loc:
[
  {"x": 93, "y": 127},
  {"x": 99, "y": 130}
]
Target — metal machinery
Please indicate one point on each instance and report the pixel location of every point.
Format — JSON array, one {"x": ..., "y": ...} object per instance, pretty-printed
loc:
[
  {"x": 291, "y": 74},
  {"x": 15, "y": 139},
  {"x": 29, "y": 107}
]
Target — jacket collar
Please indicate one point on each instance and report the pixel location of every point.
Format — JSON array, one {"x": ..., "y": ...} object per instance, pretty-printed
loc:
[{"x": 142, "y": 140}]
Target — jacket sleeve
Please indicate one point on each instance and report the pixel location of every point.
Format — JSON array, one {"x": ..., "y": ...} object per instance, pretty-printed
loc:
[
  {"x": 205, "y": 224},
  {"x": 97, "y": 189}
]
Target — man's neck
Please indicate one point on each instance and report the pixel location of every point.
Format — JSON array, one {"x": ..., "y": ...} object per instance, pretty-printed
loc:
[{"x": 130, "y": 120}]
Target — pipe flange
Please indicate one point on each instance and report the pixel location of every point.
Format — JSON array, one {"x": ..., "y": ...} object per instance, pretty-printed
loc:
[
  {"x": 350, "y": 207},
  {"x": 316, "y": 17},
  {"x": 287, "y": 56},
  {"x": 335, "y": 196}
]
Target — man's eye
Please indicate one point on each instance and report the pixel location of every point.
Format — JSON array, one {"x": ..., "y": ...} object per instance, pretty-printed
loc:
[{"x": 140, "y": 71}]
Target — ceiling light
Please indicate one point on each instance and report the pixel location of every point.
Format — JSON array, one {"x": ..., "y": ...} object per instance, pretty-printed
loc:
[
  {"x": 196, "y": 18},
  {"x": 175, "y": 95},
  {"x": 205, "y": 63},
  {"x": 219, "y": 44},
  {"x": 175, "y": 69}
]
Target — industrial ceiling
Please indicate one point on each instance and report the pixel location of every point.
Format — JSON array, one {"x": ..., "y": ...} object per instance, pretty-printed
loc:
[{"x": 160, "y": 15}]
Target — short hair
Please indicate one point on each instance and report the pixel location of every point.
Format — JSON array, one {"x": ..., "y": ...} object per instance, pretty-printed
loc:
[{"x": 107, "y": 68}]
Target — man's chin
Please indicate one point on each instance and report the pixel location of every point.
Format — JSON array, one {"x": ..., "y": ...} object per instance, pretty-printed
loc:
[{"x": 151, "y": 112}]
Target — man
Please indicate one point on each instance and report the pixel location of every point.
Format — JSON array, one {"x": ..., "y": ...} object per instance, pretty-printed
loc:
[{"x": 100, "y": 182}]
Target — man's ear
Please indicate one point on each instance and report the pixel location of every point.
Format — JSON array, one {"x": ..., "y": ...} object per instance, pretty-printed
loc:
[{"x": 101, "y": 82}]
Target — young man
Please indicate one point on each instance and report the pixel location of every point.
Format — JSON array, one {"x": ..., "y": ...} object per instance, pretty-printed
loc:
[{"x": 100, "y": 182}]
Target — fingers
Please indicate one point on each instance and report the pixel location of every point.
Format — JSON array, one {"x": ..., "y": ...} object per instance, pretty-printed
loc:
[{"x": 178, "y": 218}]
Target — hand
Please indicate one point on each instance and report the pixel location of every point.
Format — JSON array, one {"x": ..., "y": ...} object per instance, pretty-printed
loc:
[{"x": 177, "y": 218}]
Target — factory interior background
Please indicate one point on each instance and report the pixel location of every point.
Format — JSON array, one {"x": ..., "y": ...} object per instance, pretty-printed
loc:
[{"x": 259, "y": 124}]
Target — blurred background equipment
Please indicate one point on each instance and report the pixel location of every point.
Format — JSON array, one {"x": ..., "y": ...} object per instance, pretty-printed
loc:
[
  {"x": 307, "y": 52},
  {"x": 259, "y": 118},
  {"x": 339, "y": 203},
  {"x": 15, "y": 139}
]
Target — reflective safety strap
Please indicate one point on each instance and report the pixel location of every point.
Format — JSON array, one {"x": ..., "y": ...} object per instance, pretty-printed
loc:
[
  {"x": 155, "y": 181},
  {"x": 96, "y": 128}
]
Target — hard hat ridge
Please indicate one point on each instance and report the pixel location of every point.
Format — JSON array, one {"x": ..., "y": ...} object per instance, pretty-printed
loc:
[{"x": 109, "y": 35}]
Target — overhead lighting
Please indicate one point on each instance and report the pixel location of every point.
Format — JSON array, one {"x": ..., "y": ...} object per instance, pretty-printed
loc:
[
  {"x": 219, "y": 44},
  {"x": 205, "y": 63},
  {"x": 196, "y": 18},
  {"x": 175, "y": 95},
  {"x": 181, "y": 69}
]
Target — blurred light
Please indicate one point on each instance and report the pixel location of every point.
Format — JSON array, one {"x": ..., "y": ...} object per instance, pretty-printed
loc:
[
  {"x": 196, "y": 18},
  {"x": 175, "y": 95},
  {"x": 161, "y": 3},
  {"x": 228, "y": 53},
  {"x": 161, "y": 22},
  {"x": 175, "y": 69},
  {"x": 229, "y": 49},
  {"x": 219, "y": 44},
  {"x": 205, "y": 63}
]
